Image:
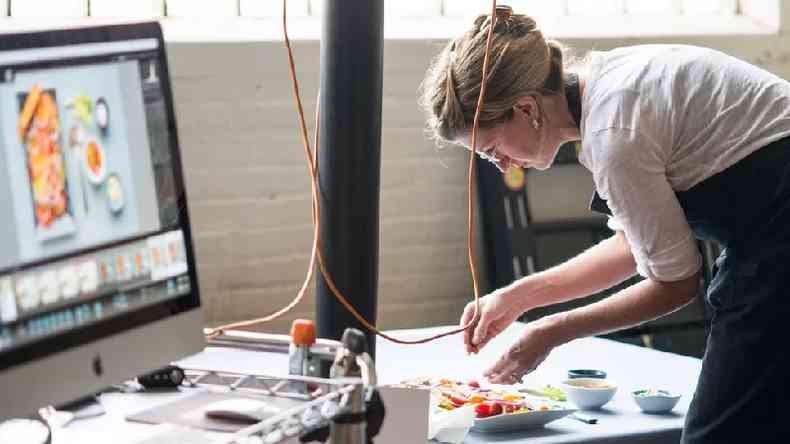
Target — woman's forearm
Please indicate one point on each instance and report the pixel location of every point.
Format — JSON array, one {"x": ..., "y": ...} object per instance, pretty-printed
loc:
[
  {"x": 629, "y": 307},
  {"x": 606, "y": 264}
]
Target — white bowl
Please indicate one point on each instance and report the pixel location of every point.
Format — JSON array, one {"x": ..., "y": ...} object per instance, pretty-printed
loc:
[
  {"x": 589, "y": 393},
  {"x": 95, "y": 177},
  {"x": 659, "y": 401}
]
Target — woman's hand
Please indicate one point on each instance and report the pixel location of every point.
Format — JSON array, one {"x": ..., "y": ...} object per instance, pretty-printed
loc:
[
  {"x": 530, "y": 349},
  {"x": 497, "y": 310}
]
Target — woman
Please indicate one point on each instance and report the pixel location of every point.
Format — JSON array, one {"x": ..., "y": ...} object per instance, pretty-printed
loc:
[{"x": 683, "y": 143}]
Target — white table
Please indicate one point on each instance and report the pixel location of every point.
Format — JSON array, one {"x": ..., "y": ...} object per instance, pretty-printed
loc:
[{"x": 629, "y": 366}]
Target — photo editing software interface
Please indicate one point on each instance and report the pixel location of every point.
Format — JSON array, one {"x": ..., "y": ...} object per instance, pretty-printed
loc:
[{"x": 91, "y": 227}]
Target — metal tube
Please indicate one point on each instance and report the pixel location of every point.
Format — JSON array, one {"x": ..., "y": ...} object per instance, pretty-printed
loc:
[{"x": 349, "y": 162}]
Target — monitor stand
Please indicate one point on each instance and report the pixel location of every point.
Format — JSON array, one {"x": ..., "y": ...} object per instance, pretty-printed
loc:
[
  {"x": 25, "y": 430},
  {"x": 37, "y": 431},
  {"x": 80, "y": 408}
]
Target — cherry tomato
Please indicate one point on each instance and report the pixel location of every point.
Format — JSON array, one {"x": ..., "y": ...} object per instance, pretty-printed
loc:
[
  {"x": 486, "y": 409},
  {"x": 483, "y": 410},
  {"x": 474, "y": 384}
]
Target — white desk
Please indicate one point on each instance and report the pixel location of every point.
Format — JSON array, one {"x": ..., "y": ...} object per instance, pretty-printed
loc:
[{"x": 629, "y": 366}]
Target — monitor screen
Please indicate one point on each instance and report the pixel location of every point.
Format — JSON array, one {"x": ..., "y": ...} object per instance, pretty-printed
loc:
[{"x": 94, "y": 238}]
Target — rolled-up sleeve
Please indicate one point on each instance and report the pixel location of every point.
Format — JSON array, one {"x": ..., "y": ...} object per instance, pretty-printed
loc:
[{"x": 629, "y": 173}]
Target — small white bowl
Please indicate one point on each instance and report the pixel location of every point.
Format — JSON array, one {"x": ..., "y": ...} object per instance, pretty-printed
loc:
[
  {"x": 655, "y": 401},
  {"x": 95, "y": 177},
  {"x": 589, "y": 393}
]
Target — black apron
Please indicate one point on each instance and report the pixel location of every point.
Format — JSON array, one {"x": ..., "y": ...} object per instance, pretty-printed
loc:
[{"x": 743, "y": 392}]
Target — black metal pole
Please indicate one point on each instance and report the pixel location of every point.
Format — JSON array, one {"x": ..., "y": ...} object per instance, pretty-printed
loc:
[{"x": 349, "y": 162}]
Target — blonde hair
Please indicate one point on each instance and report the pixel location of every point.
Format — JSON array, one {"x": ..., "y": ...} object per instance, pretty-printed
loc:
[{"x": 521, "y": 62}]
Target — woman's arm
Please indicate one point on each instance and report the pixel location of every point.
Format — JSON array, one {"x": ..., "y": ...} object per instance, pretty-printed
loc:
[
  {"x": 608, "y": 263},
  {"x": 629, "y": 307},
  {"x": 638, "y": 303}
]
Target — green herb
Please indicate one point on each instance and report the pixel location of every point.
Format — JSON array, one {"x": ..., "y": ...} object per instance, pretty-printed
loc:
[
  {"x": 549, "y": 392},
  {"x": 83, "y": 108}
]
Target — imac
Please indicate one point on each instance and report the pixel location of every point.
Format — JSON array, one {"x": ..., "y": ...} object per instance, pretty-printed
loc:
[{"x": 97, "y": 270}]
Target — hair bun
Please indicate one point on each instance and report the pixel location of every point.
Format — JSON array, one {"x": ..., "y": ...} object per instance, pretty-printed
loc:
[
  {"x": 507, "y": 23},
  {"x": 522, "y": 62},
  {"x": 504, "y": 11}
]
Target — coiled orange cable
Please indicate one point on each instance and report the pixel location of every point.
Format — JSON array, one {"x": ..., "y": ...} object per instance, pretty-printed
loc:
[{"x": 316, "y": 248}]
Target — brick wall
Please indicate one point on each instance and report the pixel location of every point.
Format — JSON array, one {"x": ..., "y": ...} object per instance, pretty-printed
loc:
[{"x": 249, "y": 191}]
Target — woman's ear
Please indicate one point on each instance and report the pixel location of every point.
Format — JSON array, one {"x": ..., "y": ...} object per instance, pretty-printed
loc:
[{"x": 527, "y": 105}]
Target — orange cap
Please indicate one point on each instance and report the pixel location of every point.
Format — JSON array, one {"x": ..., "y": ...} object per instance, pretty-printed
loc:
[{"x": 303, "y": 332}]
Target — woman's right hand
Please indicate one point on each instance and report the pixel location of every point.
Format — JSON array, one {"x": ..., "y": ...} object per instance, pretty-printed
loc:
[{"x": 497, "y": 311}]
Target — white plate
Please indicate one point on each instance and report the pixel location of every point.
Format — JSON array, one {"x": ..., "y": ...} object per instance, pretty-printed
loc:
[
  {"x": 114, "y": 192},
  {"x": 96, "y": 178},
  {"x": 519, "y": 421}
]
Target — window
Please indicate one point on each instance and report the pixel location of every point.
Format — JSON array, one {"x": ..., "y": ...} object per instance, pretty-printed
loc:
[
  {"x": 396, "y": 8},
  {"x": 409, "y": 19}
]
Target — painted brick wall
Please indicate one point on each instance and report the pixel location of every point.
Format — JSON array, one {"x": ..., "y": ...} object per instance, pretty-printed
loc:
[{"x": 249, "y": 191}]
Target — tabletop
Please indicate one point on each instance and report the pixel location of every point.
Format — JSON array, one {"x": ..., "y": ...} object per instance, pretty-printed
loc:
[{"x": 629, "y": 367}]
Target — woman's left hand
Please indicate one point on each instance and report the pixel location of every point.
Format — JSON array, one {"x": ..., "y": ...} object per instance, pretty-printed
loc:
[{"x": 530, "y": 349}]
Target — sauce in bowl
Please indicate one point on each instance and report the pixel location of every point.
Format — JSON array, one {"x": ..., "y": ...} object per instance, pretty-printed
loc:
[{"x": 589, "y": 383}]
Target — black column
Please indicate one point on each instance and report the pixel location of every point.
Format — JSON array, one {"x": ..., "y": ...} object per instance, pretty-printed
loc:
[{"x": 349, "y": 161}]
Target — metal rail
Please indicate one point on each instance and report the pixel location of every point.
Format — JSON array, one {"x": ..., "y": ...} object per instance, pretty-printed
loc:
[{"x": 320, "y": 404}]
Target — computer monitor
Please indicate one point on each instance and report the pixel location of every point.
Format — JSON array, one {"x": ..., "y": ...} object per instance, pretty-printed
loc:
[{"x": 97, "y": 272}]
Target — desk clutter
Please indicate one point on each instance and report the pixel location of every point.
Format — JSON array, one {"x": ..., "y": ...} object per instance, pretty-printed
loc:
[
  {"x": 199, "y": 410},
  {"x": 267, "y": 408}
]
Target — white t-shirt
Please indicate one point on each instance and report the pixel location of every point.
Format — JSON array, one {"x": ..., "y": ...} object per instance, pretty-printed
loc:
[{"x": 658, "y": 119}]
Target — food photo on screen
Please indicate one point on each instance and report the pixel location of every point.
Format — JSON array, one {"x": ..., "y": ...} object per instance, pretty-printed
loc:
[
  {"x": 39, "y": 130},
  {"x": 76, "y": 151}
]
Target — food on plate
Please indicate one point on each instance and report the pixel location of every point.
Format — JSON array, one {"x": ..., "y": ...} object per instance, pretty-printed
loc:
[
  {"x": 652, "y": 392},
  {"x": 76, "y": 135},
  {"x": 488, "y": 408},
  {"x": 94, "y": 159},
  {"x": 487, "y": 402},
  {"x": 39, "y": 129},
  {"x": 655, "y": 401},
  {"x": 82, "y": 105},
  {"x": 46, "y": 115},
  {"x": 115, "y": 193},
  {"x": 548, "y": 392},
  {"x": 28, "y": 108}
]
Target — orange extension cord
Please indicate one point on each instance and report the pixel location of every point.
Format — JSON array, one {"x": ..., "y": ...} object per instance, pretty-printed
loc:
[{"x": 316, "y": 249}]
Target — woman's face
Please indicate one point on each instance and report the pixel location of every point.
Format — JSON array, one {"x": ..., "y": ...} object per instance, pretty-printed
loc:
[{"x": 526, "y": 140}]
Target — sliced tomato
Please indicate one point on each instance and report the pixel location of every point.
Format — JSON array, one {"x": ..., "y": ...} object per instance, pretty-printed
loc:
[
  {"x": 486, "y": 409},
  {"x": 457, "y": 401},
  {"x": 483, "y": 410}
]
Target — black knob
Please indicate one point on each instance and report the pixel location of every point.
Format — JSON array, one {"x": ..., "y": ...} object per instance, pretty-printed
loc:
[{"x": 355, "y": 341}]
